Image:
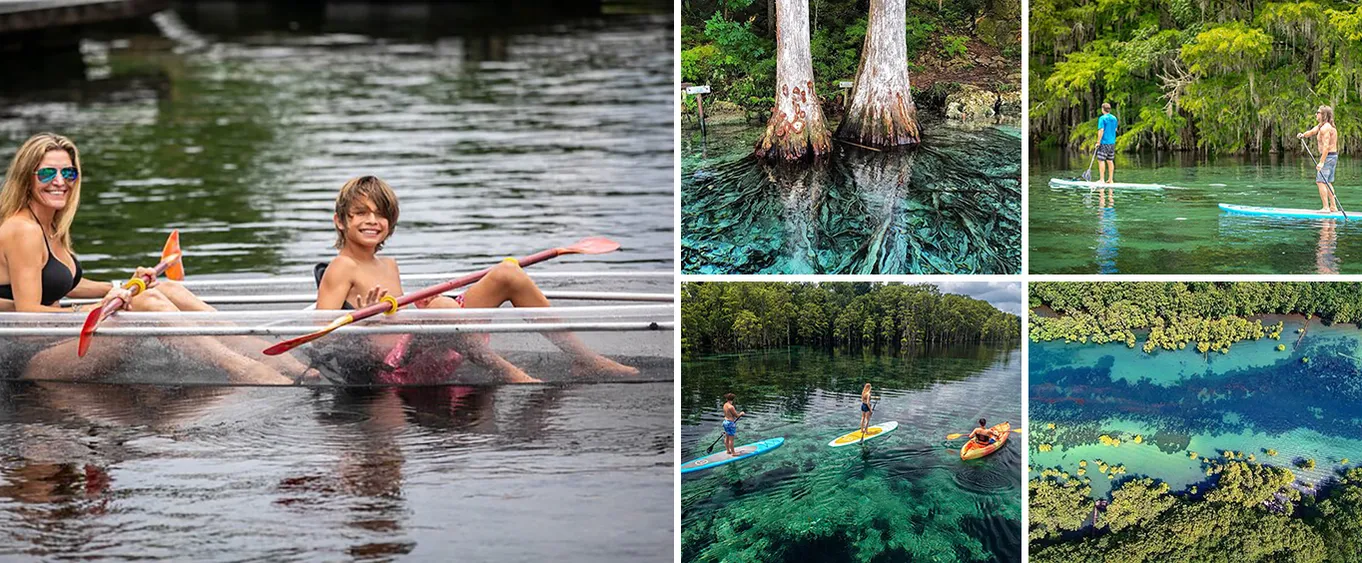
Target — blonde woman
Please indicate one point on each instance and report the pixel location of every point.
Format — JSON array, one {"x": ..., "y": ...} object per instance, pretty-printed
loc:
[
  {"x": 38, "y": 267},
  {"x": 866, "y": 409}
]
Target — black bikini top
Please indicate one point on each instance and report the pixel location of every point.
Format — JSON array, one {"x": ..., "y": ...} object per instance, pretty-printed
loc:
[{"x": 57, "y": 280}]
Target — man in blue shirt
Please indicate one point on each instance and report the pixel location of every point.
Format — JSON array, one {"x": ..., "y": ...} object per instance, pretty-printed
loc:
[{"x": 1106, "y": 145}]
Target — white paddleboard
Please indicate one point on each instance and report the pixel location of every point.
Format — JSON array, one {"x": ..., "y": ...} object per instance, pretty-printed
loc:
[{"x": 870, "y": 433}]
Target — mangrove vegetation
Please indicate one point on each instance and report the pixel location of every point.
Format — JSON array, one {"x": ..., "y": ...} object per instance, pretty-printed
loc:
[{"x": 720, "y": 317}]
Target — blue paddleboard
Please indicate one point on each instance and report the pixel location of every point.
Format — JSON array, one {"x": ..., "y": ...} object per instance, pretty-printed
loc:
[
  {"x": 715, "y": 460},
  {"x": 1279, "y": 212}
]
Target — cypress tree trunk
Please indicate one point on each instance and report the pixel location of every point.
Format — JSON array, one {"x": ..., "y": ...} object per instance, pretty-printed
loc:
[
  {"x": 796, "y": 128},
  {"x": 882, "y": 113}
]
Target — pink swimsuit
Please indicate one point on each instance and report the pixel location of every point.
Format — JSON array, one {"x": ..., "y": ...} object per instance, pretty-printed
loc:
[{"x": 423, "y": 367}]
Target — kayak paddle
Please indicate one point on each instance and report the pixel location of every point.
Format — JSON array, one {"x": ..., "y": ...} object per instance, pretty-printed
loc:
[
  {"x": 957, "y": 436},
  {"x": 721, "y": 436},
  {"x": 389, "y": 304},
  {"x": 170, "y": 265},
  {"x": 1330, "y": 184}
]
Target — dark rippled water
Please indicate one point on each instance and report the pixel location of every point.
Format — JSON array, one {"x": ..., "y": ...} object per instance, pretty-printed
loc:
[
  {"x": 905, "y": 496},
  {"x": 470, "y": 473},
  {"x": 503, "y": 140}
]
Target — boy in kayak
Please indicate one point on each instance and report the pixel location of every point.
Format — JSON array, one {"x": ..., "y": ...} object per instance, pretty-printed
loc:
[
  {"x": 731, "y": 416},
  {"x": 365, "y": 216},
  {"x": 1106, "y": 145},
  {"x": 1327, "y": 137},
  {"x": 983, "y": 434},
  {"x": 866, "y": 409}
]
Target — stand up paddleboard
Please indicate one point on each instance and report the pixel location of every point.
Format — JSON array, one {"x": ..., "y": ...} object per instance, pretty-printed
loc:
[
  {"x": 1280, "y": 212},
  {"x": 715, "y": 460},
  {"x": 870, "y": 433},
  {"x": 1118, "y": 185}
]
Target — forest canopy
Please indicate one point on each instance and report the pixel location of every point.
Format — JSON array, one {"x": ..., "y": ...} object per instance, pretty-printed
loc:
[
  {"x": 1220, "y": 77},
  {"x": 1214, "y": 315},
  {"x": 730, "y": 45},
  {"x": 718, "y": 317}
]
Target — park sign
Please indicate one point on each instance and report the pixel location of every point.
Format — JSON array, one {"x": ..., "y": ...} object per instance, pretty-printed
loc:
[{"x": 697, "y": 90}]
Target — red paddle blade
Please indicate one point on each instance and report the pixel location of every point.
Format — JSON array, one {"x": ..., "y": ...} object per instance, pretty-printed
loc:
[
  {"x": 87, "y": 330},
  {"x": 295, "y": 342},
  {"x": 591, "y": 245},
  {"x": 172, "y": 247}
]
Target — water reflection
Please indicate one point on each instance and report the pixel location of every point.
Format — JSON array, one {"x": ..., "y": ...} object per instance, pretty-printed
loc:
[{"x": 951, "y": 205}]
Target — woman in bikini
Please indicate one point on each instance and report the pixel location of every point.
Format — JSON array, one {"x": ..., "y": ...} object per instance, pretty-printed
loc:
[
  {"x": 865, "y": 408},
  {"x": 38, "y": 268}
]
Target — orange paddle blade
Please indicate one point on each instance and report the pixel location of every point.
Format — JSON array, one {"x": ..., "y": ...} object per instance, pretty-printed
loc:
[
  {"x": 295, "y": 342},
  {"x": 172, "y": 247},
  {"x": 591, "y": 245},
  {"x": 87, "y": 330}
]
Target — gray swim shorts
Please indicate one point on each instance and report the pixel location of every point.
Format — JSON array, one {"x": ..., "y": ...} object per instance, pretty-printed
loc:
[
  {"x": 1326, "y": 174},
  {"x": 1106, "y": 153}
]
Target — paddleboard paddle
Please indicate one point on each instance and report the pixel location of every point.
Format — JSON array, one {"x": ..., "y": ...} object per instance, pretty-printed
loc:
[
  {"x": 390, "y": 304},
  {"x": 710, "y": 450},
  {"x": 170, "y": 265},
  {"x": 1087, "y": 174},
  {"x": 1330, "y": 184}
]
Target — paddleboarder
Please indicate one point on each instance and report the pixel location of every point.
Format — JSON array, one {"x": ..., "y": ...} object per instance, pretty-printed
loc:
[
  {"x": 866, "y": 408},
  {"x": 731, "y": 415},
  {"x": 983, "y": 434},
  {"x": 1106, "y": 145},
  {"x": 1326, "y": 135}
]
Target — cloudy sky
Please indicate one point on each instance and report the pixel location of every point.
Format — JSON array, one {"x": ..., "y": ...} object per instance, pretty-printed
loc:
[{"x": 1006, "y": 296}]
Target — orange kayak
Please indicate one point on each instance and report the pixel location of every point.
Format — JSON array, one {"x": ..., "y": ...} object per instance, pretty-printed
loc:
[{"x": 974, "y": 450}]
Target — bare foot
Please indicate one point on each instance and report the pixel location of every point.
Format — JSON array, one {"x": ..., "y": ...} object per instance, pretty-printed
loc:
[
  {"x": 1324, "y": 210},
  {"x": 514, "y": 374},
  {"x": 601, "y": 365},
  {"x": 310, "y": 376}
]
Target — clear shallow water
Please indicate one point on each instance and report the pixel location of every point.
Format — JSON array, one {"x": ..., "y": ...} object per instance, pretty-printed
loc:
[
  {"x": 503, "y": 140},
  {"x": 1253, "y": 399},
  {"x": 951, "y": 205},
  {"x": 478, "y": 473},
  {"x": 1181, "y": 230},
  {"x": 904, "y": 496}
]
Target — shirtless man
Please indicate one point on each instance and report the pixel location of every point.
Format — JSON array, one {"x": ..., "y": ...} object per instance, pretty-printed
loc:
[
  {"x": 983, "y": 434},
  {"x": 731, "y": 416},
  {"x": 1327, "y": 137}
]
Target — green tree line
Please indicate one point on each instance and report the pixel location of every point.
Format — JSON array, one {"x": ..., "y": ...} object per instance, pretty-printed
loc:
[
  {"x": 730, "y": 44},
  {"x": 1214, "y": 315},
  {"x": 1249, "y": 515},
  {"x": 1222, "y": 77},
  {"x": 718, "y": 317}
]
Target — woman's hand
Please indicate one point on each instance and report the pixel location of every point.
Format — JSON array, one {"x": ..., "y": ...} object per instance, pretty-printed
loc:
[
  {"x": 147, "y": 274},
  {"x": 374, "y": 294},
  {"x": 114, "y": 293}
]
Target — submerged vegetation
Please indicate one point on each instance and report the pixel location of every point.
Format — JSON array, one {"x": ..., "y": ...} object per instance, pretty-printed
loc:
[
  {"x": 749, "y": 315},
  {"x": 1145, "y": 522},
  {"x": 1235, "y": 76},
  {"x": 1212, "y": 315}
]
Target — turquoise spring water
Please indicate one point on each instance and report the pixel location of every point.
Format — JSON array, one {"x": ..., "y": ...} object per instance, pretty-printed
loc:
[
  {"x": 1251, "y": 400},
  {"x": 903, "y": 496},
  {"x": 1181, "y": 229}
]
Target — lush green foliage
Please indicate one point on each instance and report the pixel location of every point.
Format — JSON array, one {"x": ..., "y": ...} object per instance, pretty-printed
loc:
[
  {"x": 1239, "y": 519},
  {"x": 747, "y": 315},
  {"x": 1222, "y": 77},
  {"x": 1212, "y": 315},
  {"x": 730, "y": 44}
]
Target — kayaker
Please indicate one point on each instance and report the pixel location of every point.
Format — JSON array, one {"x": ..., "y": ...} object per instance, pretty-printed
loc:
[
  {"x": 866, "y": 409},
  {"x": 1106, "y": 145},
  {"x": 1326, "y": 135},
  {"x": 365, "y": 216},
  {"x": 731, "y": 416},
  {"x": 38, "y": 267},
  {"x": 983, "y": 434}
]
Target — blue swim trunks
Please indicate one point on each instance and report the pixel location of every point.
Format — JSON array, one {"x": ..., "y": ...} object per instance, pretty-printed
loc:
[
  {"x": 731, "y": 427},
  {"x": 1326, "y": 173}
]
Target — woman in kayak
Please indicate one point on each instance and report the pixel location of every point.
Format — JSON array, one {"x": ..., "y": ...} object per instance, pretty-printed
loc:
[
  {"x": 866, "y": 409},
  {"x": 983, "y": 434},
  {"x": 38, "y": 267}
]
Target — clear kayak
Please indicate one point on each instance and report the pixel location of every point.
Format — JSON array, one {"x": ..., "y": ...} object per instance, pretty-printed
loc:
[
  {"x": 1280, "y": 212},
  {"x": 721, "y": 458},
  {"x": 1117, "y": 185},
  {"x": 624, "y": 316}
]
